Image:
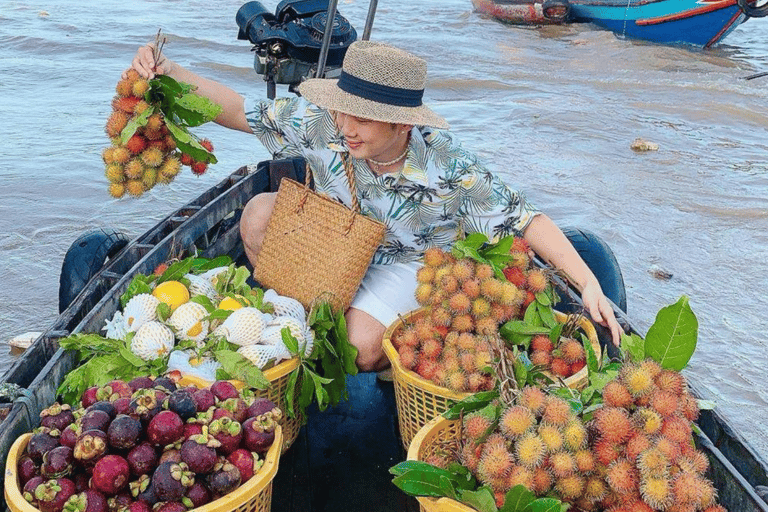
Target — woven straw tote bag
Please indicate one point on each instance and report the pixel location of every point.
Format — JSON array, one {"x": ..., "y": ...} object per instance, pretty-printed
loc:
[{"x": 316, "y": 246}]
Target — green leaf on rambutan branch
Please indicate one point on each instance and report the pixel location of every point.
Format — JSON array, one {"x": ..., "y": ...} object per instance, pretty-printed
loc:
[
  {"x": 188, "y": 144},
  {"x": 134, "y": 124},
  {"x": 196, "y": 110},
  {"x": 671, "y": 340}
]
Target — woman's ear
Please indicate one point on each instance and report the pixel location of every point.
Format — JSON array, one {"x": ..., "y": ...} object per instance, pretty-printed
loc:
[{"x": 405, "y": 128}]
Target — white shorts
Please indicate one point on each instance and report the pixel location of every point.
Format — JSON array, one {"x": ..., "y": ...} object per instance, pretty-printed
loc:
[{"x": 388, "y": 291}]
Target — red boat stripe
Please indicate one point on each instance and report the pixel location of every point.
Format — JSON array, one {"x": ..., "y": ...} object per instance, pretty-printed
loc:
[{"x": 726, "y": 27}]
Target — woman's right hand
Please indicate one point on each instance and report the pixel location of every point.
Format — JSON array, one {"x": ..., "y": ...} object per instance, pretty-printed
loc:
[{"x": 145, "y": 64}]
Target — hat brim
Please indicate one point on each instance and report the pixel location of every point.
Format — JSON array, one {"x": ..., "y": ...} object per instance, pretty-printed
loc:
[{"x": 324, "y": 93}]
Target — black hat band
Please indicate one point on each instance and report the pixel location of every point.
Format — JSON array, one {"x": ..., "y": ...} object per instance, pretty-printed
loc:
[{"x": 380, "y": 93}]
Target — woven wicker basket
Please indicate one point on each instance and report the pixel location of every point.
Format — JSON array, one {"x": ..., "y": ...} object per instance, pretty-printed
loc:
[
  {"x": 419, "y": 400},
  {"x": 255, "y": 495},
  {"x": 278, "y": 378}
]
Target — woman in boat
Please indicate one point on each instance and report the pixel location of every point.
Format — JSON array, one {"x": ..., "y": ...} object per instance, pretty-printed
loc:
[{"x": 412, "y": 174}]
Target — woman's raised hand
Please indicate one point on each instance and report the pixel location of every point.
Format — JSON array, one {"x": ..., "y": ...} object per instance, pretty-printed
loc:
[{"x": 147, "y": 65}]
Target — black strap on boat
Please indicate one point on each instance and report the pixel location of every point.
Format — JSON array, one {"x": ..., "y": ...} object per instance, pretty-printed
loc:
[{"x": 753, "y": 10}]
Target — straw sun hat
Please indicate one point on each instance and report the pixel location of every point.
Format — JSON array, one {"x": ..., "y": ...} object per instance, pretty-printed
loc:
[{"x": 378, "y": 82}]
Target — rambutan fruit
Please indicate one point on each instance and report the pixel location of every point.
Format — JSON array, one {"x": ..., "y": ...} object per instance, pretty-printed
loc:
[
  {"x": 434, "y": 257},
  {"x": 456, "y": 381},
  {"x": 496, "y": 460},
  {"x": 125, "y": 104},
  {"x": 561, "y": 464},
  {"x": 529, "y": 297},
  {"x": 585, "y": 461},
  {"x": 152, "y": 157},
  {"x": 408, "y": 357},
  {"x": 469, "y": 456},
  {"x": 670, "y": 381},
  {"x": 115, "y": 124},
  {"x": 519, "y": 244},
  {"x": 486, "y": 325},
  {"x": 481, "y": 308},
  {"x": 551, "y": 436},
  {"x": 431, "y": 348},
  {"x": 595, "y": 489},
  {"x": 613, "y": 424},
  {"x": 559, "y": 367},
  {"x": 652, "y": 462},
  {"x": 134, "y": 169},
  {"x": 140, "y": 107},
  {"x": 569, "y": 487},
  {"x": 607, "y": 451},
  {"x": 532, "y": 398},
  {"x": 170, "y": 143},
  {"x": 199, "y": 168},
  {"x": 536, "y": 281},
  {"x": 669, "y": 448},
  {"x": 476, "y": 382},
  {"x": 483, "y": 360},
  {"x": 463, "y": 323},
  {"x": 424, "y": 329},
  {"x": 407, "y": 337},
  {"x": 149, "y": 178},
  {"x": 134, "y": 187},
  {"x": 152, "y": 134},
  {"x": 575, "y": 435},
  {"x": 471, "y": 288},
  {"x": 689, "y": 407},
  {"x": 136, "y": 144},
  {"x": 207, "y": 144},
  {"x": 171, "y": 167},
  {"x": 449, "y": 284},
  {"x": 541, "y": 358},
  {"x": 520, "y": 259},
  {"x": 653, "y": 368},
  {"x": 426, "y": 367},
  {"x": 677, "y": 429},
  {"x": 114, "y": 173},
  {"x": 695, "y": 462},
  {"x": 530, "y": 450},
  {"x": 186, "y": 159},
  {"x": 637, "y": 380},
  {"x": 107, "y": 155},
  {"x": 483, "y": 271},
  {"x": 476, "y": 425},
  {"x": 423, "y": 290},
  {"x": 467, "y": 362},
  {"x": 572, "y": 350},
  {"x": 520, "y": 475},
  {"x": 155, "y": 122},
  {"x": 491, "y": 289},
  {"x": 441, "y": 316},
  {"x": 621, "y": 476},
  {"x": 124, "y": 87},
  {"x": 463, "y": 269},
  {"x": 510, "y": 295},
  {"x": 708, "y": 494},
  {"x": 120, "y": 155},
  {"x": 647, "y": 420},
  {"x": 499, "y": 313},
  {"x": 440, "y": 377},
  {"x": 132, "y": 75},
  {"x": 451, "y": 362},
  {"x": 556, "y": 411},
  {"x": 687, "y": 488},
  {"x": 515, "y": 275},
  {"x": 425, "y": 274},
  {"x": 578, "y": 366},
  {"x": 636, "y": 445},
  {"x": 542, "y": 481},
  {"x": 664, "y": 402},
  {"x": 116, "y": 190},
  {"x": 516, "y": 421},
  {"x": 541, "y": 342},
  {"x": 616, "y": 395},
  {"x": 715, "y": 508},
  {"x": 140, "y": 87},
  {"x": 459, "y": 303}
]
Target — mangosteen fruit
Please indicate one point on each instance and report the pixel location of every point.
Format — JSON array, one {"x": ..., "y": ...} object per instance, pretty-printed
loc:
[
  {"x": 82, "y": 481},
  {"x": 27, "y": 469},
  {"x": 141, "y": 383},
  {"x": 220, "y": 412},
  {"x": 28, "y": 491},
  {"x": 124, "y": 432},
  {"x": 171, "y": 506},
  {"x": 224, "y": 478},
  {"x": 228, "y": 432},
  {"x": 106, "y": 406},
  {"x": 43, "y": 439},
  {"x": 122, "y": 405},
  {"x": 89, "y": 396},
  {"x": 110, "y": 474},
  {"x": 145, "y": 404},
  {"x": 248, "y": 463},
  {"x": 259, "y": 433},
  {"x": 165, "y": 383},
  {"x": 139, "y": 506},
  {"x": 114, "y": 390},
  {"x": 191, "y": 429},
  {"x": 88, "y": 500},
  {"x": 171, "y": 480},
  {"x": 142, "y": 459},
  {"x": 57, "y": 416},
  {"x": 182, "y": 403},
  {"x": 90, "y": 446},
  {"x": 223, "y": 389},
  {"x": 120, "y": 501},
  {"x": 197, "y": 496},
  {"x": 95, "y": 419},
  {"x": 53, "y": 494},
  {"x": 204, "y": 399},
  {"x": 259, "y": 406},
  {"x": 169, "y": 455},
  {"x": 165, "y": 428},
  {"x": 138, "y": 489},
  {"x": 70, "y": 435},
  {"x": 57, "y": 462},
  {"x": 237, "y": 407},
  {"x": 199, "y": 452}
]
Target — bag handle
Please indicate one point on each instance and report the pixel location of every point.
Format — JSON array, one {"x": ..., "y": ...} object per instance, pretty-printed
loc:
[{"x": 349, "y": 170}]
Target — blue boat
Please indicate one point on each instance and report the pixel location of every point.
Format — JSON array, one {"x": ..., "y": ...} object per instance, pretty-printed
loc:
[{"x": 701, "y": 23}]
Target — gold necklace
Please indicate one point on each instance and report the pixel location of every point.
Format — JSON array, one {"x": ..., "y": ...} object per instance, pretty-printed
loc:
[{"x": 379, "y": 165}]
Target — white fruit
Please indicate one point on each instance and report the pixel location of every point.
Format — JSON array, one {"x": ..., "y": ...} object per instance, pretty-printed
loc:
[
  {"x": 188, "y": 363},
  {"x": 140, "y": 310},
  {"x": 116, "y": 328},
  {"x": 243, "y": 327},
  {"x": 213, "y": 274},
  {"x": 260, "y": 355},
  {"x": 201, "y": 286},
  {"x": 152, "y": 340},
  {"x": 287, "y": 306},
  {"x": 187, "y": 321}
]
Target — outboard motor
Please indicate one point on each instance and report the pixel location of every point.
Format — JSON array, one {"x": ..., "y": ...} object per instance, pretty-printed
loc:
[{"x": 288, "y": 43}]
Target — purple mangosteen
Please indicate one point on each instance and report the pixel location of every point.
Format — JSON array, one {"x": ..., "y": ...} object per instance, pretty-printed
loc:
[
  {"x": 171, "y": 480},
  {"x": 104, "y": 405},
  {"x": 165, "y": 428},
  {"x": 53, "y": 494},
  {"x": 43, "y": 440},
  {"x": 259, "y": 433},
  {"x": 110, "y": 474},
  {"x": 57, "y": 416},
  {"x": 90, "y": 396},
  {"x": 165, "y": 383},
  {"x": 57, "y": 462},
  {"x": 204, "y": 399},
  {"x": 89, "y": 500},
  {"x": 141, "y": 383},
  {"x": 259, "y": 406},
  {"x": 146, "y": 403},
  {"x": 199, "y": 452},
  {"x": 248, "y": 463},
  {"x": 237, "y": 407},
  {"x": 223, "y": 389},
  {"x": 224, "y": 478},
  {"x": 124, "y": 432},
  {"x": 142, "y": 459},
  {"x": 90, "y": 446},
  {"x": 95, "y": 419},
  {"x": 228, "y": 432},
  {"x": 70, "y": 435},
  {"x": 27, "y": 469},
  {"x": 197, "y": 496},
  {"x": 141, "y": 490},
  {"x": 114, "y": 390},
  {"x": 182, "y": 403},
  {"x": 171, "y": 506}
]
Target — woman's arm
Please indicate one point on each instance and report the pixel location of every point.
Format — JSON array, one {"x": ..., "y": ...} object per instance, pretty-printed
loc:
[
  {"x": 233, "y": 112},
  {"x": 549, "y": 242}
]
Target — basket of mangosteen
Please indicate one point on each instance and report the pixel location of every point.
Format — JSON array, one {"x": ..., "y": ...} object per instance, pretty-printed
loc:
[
  {"x": 159, "y": 446},
  {"x": 472, "y": 298}
]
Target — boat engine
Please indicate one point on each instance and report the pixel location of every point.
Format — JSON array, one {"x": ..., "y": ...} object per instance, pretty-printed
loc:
[{"x": 288, "y": 43}]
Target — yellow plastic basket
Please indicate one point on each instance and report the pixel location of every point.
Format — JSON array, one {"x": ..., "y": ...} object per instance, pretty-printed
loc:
[
  {"x": 278, "y": 377},
  {"x": 419, "y": 400},
  {"x": 437, "y": 434},
  {"x": 255, "y": 495}
]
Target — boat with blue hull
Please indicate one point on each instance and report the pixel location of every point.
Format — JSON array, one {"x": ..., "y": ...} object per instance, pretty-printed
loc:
[{"x": 701, "y": 23}]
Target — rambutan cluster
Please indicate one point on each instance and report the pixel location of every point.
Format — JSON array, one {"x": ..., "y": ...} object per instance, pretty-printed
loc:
[
  {"x": 459, "y": 361},
  {"x": 521, "y": 272},
  {"x": 563, "y": 360},
  {"x": 150, "y": 156}
]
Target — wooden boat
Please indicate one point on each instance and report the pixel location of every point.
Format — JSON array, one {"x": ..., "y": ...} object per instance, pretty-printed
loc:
[
  {"x": 341, "y": 458},
  {"x": 701, "y": 23}
]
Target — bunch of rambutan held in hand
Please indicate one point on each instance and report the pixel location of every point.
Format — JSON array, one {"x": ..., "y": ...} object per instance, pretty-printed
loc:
[{"x": 147, "y": 148}]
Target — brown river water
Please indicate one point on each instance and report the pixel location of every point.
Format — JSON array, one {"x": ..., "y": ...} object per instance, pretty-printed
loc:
[{"x": 553, "y": 109}]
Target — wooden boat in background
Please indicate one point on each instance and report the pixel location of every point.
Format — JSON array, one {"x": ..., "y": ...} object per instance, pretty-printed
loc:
[{"x": 701, "y": 23}]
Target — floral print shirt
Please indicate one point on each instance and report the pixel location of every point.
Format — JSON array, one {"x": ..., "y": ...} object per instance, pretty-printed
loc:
[{"x": 442, "y": 191}]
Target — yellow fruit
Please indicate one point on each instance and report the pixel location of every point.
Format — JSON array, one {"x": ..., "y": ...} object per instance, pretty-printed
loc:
[
  {"x": 172, "y": 293},
  {"x": 229, "y": 304}
]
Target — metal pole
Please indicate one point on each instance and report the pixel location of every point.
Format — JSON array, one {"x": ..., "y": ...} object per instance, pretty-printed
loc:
[
  {"x": 326, "y": 39},
  {"x": 369, "y": 20}
]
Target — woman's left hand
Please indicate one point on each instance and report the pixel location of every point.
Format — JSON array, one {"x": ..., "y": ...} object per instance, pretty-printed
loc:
[{"x": 600, "y": 310}]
